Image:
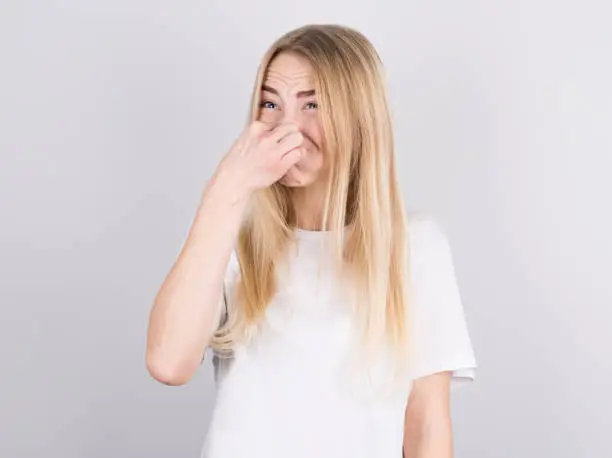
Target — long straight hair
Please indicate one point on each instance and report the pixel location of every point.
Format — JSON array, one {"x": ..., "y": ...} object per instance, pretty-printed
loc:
[{"x": 363, "y": 194}]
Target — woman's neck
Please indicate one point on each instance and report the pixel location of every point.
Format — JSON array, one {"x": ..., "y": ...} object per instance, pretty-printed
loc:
[{"x": 308, "y": 204}]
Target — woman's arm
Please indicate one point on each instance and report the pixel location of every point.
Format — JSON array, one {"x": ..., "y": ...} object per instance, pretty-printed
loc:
[
  {"x": 427, "y": 424},
  {"x": 187, "y": 307}
]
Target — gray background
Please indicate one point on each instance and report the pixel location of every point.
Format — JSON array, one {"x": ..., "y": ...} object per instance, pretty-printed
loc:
[{"x": 113, "y": 115}]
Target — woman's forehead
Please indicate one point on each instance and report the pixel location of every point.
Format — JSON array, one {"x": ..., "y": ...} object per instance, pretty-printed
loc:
[{"x": 288, "y": 71}]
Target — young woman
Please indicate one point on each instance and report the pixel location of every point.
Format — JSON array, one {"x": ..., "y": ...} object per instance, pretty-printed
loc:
[{"x": 332, "y": 315}]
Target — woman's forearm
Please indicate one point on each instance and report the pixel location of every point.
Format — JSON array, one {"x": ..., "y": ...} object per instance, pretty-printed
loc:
[
  {"x": 427, "y": 423},
  {"x": 427, "y": 445}
]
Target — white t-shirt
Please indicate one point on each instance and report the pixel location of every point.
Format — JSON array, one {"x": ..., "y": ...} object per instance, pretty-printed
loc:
[{"x": 288, "y": 394}]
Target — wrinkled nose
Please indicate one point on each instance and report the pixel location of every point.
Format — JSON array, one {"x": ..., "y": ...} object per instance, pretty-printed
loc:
[{"x": 291, "y": 117}]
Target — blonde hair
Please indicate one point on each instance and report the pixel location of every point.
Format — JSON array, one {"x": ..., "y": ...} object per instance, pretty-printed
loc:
[{"x": 363, "y": 193}]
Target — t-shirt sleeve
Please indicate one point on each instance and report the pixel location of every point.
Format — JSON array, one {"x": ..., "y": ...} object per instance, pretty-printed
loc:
[
  {"x": 440, "y": 337},
  {"x": 230, "y": 280}
]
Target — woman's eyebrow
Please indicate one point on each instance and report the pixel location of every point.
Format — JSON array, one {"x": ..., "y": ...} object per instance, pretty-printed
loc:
[
  {"x": 269, "y": 89},
  {"x": 308, "y": 93},
  {"x": 301, "y": 94}
]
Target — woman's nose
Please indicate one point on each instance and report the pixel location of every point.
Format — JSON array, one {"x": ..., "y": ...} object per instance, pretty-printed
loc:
[{"x": 289, "y": 116}]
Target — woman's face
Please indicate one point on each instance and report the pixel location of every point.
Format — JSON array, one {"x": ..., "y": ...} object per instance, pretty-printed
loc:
[{"x": 288, "y": 96}]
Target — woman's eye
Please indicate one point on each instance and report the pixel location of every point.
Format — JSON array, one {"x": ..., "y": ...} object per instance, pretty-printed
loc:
[
  {"x": 312, "y": 105},
  {"x": 268, "y": 105}
]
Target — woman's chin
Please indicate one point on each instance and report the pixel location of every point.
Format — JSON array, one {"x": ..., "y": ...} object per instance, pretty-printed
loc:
[
  {"x": 299, "y": 178},
  {"x": 291, "y": 179}
]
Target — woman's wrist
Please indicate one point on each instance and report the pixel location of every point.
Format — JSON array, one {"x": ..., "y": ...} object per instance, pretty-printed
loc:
[{"x": 226, "y": 185}]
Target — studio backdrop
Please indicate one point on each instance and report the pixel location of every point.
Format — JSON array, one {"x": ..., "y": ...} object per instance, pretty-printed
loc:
[{"x": 114, "y": 114}]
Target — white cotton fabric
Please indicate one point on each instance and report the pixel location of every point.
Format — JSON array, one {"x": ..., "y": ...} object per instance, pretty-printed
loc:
[{"x": 289, "y": 392}]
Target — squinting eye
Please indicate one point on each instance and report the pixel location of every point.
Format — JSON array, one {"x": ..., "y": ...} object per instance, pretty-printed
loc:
[
  {"x": 312, "y": 105},
  {"x": 267, "y": 105}
]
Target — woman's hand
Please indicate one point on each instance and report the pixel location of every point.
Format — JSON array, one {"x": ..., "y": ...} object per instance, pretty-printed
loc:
[{"x": 262, "y": 155}]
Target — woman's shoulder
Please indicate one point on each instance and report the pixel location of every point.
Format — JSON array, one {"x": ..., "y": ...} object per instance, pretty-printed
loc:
[{"x": 425, "y": 233}]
